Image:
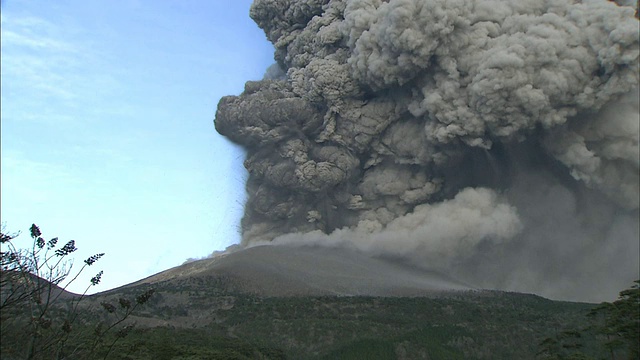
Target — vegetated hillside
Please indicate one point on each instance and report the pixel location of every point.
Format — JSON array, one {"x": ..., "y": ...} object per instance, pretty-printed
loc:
[
  {"x": 209, "y": 311},
  {"x": 201, "y": 318},
  {"x": 15, "y": 283}
]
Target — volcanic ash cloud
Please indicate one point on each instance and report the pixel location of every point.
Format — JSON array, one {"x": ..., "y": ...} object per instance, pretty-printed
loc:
[{"x": 496, "y": 141}]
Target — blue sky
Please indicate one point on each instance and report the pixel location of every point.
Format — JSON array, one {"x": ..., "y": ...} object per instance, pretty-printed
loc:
[{"x": 107, "y": 127}]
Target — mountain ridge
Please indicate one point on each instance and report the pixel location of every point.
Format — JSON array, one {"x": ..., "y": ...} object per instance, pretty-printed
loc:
[
  {"x": 311, "y": 271},
  {"x": 282, "y": 302}
]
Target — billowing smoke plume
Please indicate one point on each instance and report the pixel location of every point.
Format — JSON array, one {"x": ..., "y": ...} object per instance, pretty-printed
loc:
[{"x": 494, "y": 140}]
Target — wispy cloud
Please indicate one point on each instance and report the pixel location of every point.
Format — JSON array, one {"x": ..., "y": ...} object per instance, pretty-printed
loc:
[
  {"x": 28, "y": 73},
  {"x": 47, "y": 65},
  {"x": 32, "y": 33}
]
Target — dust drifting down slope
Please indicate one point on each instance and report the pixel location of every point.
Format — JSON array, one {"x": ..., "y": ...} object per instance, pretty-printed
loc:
[
  {"x": 495, "y": 141},
  {"x": 312, "y": 271}
]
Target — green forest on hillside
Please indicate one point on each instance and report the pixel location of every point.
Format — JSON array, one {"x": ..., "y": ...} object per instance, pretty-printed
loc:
[{"x": 209, "y": 317}]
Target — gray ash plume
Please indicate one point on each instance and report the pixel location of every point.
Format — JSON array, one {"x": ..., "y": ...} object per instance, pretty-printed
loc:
[{"x": 495, "y": 140}]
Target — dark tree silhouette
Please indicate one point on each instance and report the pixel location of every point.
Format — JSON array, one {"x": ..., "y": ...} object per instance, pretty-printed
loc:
[{"x": 39, "y": 318}]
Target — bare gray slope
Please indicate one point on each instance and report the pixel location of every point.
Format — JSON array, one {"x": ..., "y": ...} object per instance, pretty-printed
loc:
[{"x": 294, "y": 271}]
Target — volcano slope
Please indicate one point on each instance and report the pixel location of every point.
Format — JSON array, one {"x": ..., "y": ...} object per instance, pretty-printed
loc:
[
  {"x": 313, "y": 271},
  {"x": 278, "y": 302}
]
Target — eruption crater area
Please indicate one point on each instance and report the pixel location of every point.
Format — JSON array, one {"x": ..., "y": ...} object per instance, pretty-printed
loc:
[{"x": 495, "y": 141}]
